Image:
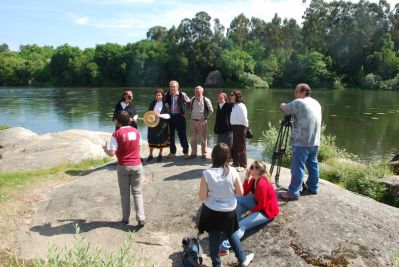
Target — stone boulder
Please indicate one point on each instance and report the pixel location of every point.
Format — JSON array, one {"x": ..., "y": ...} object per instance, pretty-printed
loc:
[
  {"x": 394, "y": 162},
  {"x": 214, "y": 79},
  {"x": 22, "y": 149}
]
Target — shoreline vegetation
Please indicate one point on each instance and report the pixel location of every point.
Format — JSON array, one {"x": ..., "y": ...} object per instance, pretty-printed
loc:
[
  {"x": 342, "y": 168},
  {"x": 84, "y": 253},
  {"x": 339, "y": 44}
]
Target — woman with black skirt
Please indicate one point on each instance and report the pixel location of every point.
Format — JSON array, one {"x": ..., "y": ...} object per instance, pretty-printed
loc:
[
  {"x": 218, "y": 187},
  {"x": 158, "y": 136}
]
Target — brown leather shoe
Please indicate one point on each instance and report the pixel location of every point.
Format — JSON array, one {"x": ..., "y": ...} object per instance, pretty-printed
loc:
[
  {"x": 285, "y": 196},
  {"x": 171, "y": 156},
  {"x": 186, "y": 156},
  {"x": 191, "y": 156}
]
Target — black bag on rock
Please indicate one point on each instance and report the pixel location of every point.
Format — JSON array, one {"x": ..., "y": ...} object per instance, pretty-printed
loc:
[
  {"x": 192, "y": 252},
  {"x": 249, "y": 133}
]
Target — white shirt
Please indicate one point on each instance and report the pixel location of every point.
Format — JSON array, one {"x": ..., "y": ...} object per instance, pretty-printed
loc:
[
  {"x": 221, "y": 189},
  {"x": 158, "y": 108},
  {"x": 239, "y": 115}
]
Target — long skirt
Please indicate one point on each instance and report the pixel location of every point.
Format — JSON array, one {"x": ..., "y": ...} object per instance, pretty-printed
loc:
[{"x": 158, "y": 137}]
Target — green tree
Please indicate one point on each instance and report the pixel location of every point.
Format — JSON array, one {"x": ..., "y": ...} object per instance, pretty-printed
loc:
[
  {"x": 234, "y": 63},
  {"x": 146, "y": 62},
  {"x": 66, "y": 65},
  {"x": 109, "y": 58},
  {"x": 11, "y": 65},
  {"x": 239, "y": 30},
  {"x": 157, "y": 33},
  {"x": 384, "y": 61},
  {"x": 308, "y": 67}
]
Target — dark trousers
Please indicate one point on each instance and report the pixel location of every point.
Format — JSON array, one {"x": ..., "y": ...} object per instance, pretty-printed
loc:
[
  {"x": 239, "y": 149},
  {"x": 215, "y": 238},
  {"x": 178, "y": 122}
]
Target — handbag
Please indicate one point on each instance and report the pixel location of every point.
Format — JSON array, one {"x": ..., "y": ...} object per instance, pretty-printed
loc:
[{"x": 249, "y": 133}]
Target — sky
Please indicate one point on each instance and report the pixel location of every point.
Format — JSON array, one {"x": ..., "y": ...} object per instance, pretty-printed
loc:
[{"x": 85, "y": 23}]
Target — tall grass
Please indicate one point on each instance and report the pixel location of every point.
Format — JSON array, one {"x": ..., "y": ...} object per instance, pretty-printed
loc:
[
  {"x": 395, "y": 260},
  {"x": 83, "y": 254}
]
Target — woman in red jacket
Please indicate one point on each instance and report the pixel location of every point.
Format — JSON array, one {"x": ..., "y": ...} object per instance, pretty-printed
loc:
[{"x": 258, "y": 205}]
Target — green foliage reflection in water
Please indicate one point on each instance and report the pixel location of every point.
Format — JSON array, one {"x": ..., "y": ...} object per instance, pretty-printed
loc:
[{"x": 83, "y": 254}]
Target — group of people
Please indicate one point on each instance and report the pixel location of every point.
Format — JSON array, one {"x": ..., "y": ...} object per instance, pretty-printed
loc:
[{"x": 229, "y": 207}]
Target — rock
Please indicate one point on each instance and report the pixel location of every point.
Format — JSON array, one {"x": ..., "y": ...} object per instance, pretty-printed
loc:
[
  {"x": 394, "y": 162},
  {"x": 25, "y": 150},
  {"x": 214, "y": 79},
  {"x": 333, "y": 228},
  {"x": 392, "y": 184}
]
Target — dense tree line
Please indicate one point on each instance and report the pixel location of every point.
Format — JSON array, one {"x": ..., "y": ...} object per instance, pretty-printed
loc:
[{"x": 339, "y": 44}]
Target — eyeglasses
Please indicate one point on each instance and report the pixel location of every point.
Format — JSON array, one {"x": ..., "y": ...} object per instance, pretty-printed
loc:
[
  {"x": 128, "y": 96},
  {"x": 253, "y": 167}
]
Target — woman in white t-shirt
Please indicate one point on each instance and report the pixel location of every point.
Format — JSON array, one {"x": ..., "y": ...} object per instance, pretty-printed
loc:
[
  {"x": 239, "y": 127},
  {"x": 218, "y": 187}
]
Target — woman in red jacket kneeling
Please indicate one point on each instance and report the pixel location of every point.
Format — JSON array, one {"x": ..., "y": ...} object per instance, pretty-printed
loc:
[{"x": 259, "y": 203}]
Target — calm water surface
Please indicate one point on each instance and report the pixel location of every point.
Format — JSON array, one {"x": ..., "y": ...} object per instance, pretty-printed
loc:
[{"x": 365, "y": 123}]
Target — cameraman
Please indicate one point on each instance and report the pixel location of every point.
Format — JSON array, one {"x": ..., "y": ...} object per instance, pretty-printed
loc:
[{"x": 305, "y": 141}]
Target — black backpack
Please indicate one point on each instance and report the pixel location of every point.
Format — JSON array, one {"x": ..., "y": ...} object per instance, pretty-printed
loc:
[{"x": 192, "y": 252}]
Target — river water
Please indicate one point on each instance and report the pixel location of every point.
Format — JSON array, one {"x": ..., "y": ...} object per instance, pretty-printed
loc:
[{"x": 365, "y": 123}]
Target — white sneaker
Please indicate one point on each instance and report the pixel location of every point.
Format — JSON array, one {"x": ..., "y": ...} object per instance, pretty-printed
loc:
[{"x": 248, "y": 259}]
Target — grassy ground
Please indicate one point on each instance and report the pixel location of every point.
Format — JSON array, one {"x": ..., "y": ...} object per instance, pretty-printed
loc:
[
  {"x": 3, "y": 127},
  {"x": 13, "y": 182}
]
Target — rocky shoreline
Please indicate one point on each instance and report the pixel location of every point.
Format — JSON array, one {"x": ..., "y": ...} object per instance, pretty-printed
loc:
[{"x": 334, "y": 228}]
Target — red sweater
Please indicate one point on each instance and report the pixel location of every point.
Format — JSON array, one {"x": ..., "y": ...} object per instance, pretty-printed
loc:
[{"x": 265, "y": 196}]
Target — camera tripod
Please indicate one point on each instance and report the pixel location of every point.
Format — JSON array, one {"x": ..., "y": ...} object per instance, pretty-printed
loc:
[{"x": 280, "y": 148}]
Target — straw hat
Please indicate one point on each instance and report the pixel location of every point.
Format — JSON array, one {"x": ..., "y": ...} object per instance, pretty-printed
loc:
[{"x": 150, "y": 119}]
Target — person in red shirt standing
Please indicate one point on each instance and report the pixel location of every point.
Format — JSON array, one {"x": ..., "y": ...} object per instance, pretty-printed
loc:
[
  {"x": 258, "y": 204},
  {"x": 125, "y": 144}
]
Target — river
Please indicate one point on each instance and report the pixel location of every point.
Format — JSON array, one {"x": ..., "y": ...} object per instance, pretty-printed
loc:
[{"x": 365, "y": 123}]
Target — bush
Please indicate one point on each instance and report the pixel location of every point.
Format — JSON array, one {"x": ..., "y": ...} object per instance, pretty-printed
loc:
[
  {"x": 356, "y": 177},
  {"x": 270, "y": 137},
  {"x": 249, "y": 80},
  {"x": 372, "y": 81}
]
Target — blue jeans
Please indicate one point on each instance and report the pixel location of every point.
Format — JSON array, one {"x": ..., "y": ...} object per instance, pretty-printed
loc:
[
  {"x": 214, "y": 243},
  {"x": 245, "y": 203},
  {"x": 177, "y": 123},
  {"x": 304, "y": 157}
]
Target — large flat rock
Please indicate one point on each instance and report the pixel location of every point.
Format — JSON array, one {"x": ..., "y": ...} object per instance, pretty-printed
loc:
[
  {"x": 22, "y": 149},
  {"x": 334, "y": 228}
]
